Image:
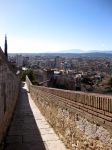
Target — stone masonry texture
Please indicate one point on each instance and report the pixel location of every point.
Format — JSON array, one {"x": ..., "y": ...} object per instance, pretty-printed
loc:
[
  {"x": 82, "y": 120},
  {"x": 9, "y": 89}
]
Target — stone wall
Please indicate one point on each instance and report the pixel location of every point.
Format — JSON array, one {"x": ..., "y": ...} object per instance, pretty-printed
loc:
[
  {"x": 82, "y": 120},
  {"x": 9, "y": 89}
]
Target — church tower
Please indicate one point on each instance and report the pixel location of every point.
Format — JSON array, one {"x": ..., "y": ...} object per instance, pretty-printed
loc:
[{"x": 5, "y": 47}]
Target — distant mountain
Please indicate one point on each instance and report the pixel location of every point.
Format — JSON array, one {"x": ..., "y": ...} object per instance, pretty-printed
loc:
[
  {"x": 82, "y": 51},
  {"x": 100, "y": 51},
  {"x": 72, "y": 51},
  {"x": 70, "y": 55}
]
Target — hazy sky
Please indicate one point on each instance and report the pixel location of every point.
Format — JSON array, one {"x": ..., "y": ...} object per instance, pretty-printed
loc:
[{"x": 55, "y": 25}]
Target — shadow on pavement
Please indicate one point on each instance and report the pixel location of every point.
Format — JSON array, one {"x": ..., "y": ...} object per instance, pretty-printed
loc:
[{"x": 23, "y": 133}]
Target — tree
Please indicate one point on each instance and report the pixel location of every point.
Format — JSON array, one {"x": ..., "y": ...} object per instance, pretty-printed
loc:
[{"x": 30, "y": 75}]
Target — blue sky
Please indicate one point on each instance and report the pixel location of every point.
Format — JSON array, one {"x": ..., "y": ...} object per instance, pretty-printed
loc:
[{"x": 56, "y": 25}]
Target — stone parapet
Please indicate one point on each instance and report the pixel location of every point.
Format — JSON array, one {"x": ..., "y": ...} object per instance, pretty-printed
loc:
[{"x": 82, "y": 120}]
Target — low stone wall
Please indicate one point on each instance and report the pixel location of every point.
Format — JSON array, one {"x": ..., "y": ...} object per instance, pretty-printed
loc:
[
  {"x": 82, "y": 120},
  {"x": 9, "y": 90}
]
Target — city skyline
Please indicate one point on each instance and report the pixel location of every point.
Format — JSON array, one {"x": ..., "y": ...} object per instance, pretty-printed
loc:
[{"x": 54, "y": 26}]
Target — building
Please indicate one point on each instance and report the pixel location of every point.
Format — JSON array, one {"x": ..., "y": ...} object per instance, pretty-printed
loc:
[
  {"x": 19, "y": 61},
  {"x": 57, "y": 62}
]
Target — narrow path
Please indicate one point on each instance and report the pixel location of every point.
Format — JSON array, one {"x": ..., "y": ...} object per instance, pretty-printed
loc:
[{"x": 29, "y": 129}]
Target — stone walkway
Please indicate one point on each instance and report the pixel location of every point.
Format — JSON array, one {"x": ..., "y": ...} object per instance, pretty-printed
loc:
[{"x": 29, "y": 129}]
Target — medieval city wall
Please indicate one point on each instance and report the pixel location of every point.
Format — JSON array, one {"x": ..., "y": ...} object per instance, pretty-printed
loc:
[
  {"x": 9, "y": 89},
  {"x": 82, "y": 120}
]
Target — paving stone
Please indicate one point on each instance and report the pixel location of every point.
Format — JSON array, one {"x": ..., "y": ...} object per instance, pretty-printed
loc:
[
  {"x": 49, "y": 137},
  {"x": 29, "y": 126},
  {"x": 43, "y": 126},
  {"x": 29, "y": 129},
  {"x": 23, "y": 132},
  {"x": 14, "y": 139},
  {"x": 47, "y": 131},
  {"x": 41, "y": 122},
  {"x": 31, "y": 138},
  {"x": 55, "y": 145},
  {"x": 25, "y": 146},
  {"x": 29, "y": 120}
]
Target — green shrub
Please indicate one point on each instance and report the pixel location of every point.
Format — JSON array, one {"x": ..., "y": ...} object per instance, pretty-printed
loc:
[{"x": 29, "y": 73}]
